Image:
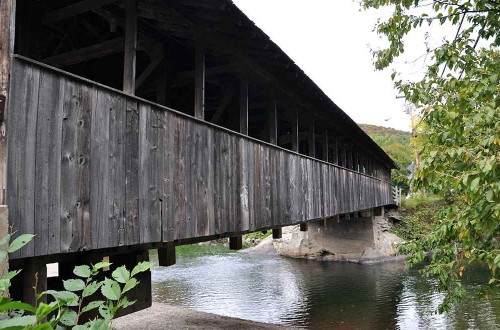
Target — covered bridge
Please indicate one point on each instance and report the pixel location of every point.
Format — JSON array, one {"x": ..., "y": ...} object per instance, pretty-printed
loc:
[{"x": 145, "y": 124}]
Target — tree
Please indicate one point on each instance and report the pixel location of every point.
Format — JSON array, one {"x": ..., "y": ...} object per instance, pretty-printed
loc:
[{"x": 459, "y": 131}]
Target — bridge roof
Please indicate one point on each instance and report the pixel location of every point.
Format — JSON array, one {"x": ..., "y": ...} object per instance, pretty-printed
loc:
[{"x": 222, "y": 23}]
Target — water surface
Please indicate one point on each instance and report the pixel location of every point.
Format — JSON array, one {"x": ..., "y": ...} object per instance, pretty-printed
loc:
[{"x": 318, "y": 295}]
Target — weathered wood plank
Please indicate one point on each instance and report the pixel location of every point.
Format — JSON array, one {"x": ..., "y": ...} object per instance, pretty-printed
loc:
[
  {"x": 149, "y": 203},
  {"x": 132, "y": 225},
  {"x": 79, "y": 101},
  {"x": 48, "y": 164},
  {"x": 22, "y": 116}
]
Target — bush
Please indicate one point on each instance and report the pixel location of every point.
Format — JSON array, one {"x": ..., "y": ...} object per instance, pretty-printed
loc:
[{"x": 67, "y": 307}]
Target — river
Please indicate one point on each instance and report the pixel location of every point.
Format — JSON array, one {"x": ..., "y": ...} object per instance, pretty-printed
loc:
[{"x": 319, "y": 295}]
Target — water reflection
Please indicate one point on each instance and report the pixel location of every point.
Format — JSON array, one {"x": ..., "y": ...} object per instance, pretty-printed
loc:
[{"x": 317, "y": 295}]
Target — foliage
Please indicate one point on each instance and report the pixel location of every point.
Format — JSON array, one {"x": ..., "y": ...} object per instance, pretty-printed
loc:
[
  {"x": 258, "y": 234},
  {"x": 397, "y": 145},
  {"x": 419, "y": 213},
  {"x": 459, "y": 105},
  {"x": 66, "y": 308}
]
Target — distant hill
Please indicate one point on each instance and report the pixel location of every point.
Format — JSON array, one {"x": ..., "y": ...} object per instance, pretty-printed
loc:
[
  {"x": 397, "y": 145},
  {"x": 385, "y": 136}
]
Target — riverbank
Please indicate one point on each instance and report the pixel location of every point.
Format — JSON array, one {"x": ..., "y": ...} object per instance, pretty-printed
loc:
[{"x": 163, "y": 316}]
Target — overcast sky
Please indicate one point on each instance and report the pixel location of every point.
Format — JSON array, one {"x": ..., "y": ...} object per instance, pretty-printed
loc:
[{"x": 329, "y": 40}]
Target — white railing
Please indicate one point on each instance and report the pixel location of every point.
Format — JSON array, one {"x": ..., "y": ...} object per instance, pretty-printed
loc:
[{"x": 396, "y": 195}]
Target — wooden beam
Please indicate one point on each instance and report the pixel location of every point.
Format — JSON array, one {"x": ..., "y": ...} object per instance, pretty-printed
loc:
[
  {"x": 325, "y": 145},
  {"x": 85, "y": 54},
  {"x": 7, "y": 35},
  {"x": 129, "y": 65},
  {"x": 188, "y": 76},
  {"x": 149, "y": 69},
  {"x": 236, "y": 242},
  {"x": 166, "y": 255},
  {"x": 335, "y": 150},
  {"x": 295, "y": 130},
  {"x": 74, "y": 10},
  {"x": 226, "y": 100},
  {"x": 311, "y": 138},
  {"x": 272, "y": 113},
  {"x": 277, "y": 233},
  {"x": 199, "y": 82},
  {"x": 303, "y": 226},
  {"x": 244, "y": 105}
]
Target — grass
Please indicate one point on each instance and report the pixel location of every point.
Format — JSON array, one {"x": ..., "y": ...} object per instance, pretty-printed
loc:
[
  {"x": 258, "y": 234},
  {"x": 418, "y": 213}
]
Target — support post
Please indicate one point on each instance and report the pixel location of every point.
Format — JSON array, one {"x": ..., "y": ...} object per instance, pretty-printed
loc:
[
  {"x": 142, "y": 292},
  {"x": 273, "y": 122},
  {"x": 295, "y": 130},
  {"x": 129, "y": 65},
  {"x": 277, "y": 233},
  {"x": 335, "y": 151},
  {"x": 303, "y": 226},
  {"x": 311, "y": 139},
  {"x": 244, "y": 105},
  {"x": 236, "y": 242},
  {"x": 199, "y": 82},
  {"x": 325, "y": 145},
  {"x": 166, "y": 255}
]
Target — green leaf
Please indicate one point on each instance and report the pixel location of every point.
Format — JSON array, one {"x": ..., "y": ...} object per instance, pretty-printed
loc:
[
  {"x": 80, "y": 327},
  {"x": 74, "y": 285},
  {"x": 44, "y": 326},
  {"x": 100, "y": 265},
  {"x": 474, "y": 184},
  {"x": 104, "y": 312},
  {"x": 66, "y": 297},
  {"x": 43, "y": 309},
  {"x": 93, "y": 305},
  {"x": 16, "y": 305},
  {"x": 17, "y": 322},
  {"x": 99, "y": 324},
  {"x": 69, "y": 318},
  {"x": 82, "y": 271},
  {"x": 91, "y": 288},
  {"x": 111, "y": 289},
  {"x": 19, "y": 242},
  {"x": 141, "y": 267},
  {"x": 131, "y": 283},
  {"x": 121, "y": 274}
]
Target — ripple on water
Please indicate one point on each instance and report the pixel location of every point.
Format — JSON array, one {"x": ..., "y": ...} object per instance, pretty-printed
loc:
[{"x": 315, "y": 294}]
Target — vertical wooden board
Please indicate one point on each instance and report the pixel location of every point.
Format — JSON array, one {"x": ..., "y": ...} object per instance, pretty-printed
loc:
[
  {"x": 288, "y": 164},
  {"x": 48, "y": 164},
  {"x": 149, "y": 185},
  {"x": 210, "y": 164},
  {"x": 273, "y": 172},
  {"x": 79, "y": 101},
  {"x": 293, "y": 197},
  {"x": 251, "y": 184},
  {"x": 257, "y": 195},
  {"x": 179, "y": 177},
  {"x": 243, "y": 171},
  {"x": 99, "y": 168},
  {"x": 117, "y": 175},
  {"x": 235, "y": 217},
  {"x": 304, "y": 188},
  {"x": 132, "y": 226},
  {"x": 203, "y": 177},
  {"x": 22, "y": 118},
  {"x": 166, "y": 174},
  {"x": 218, "y": 182},
  {"x": 284, "y": 178},
  {"x": 268, "y": 184},
  {"x": 190, "y": 180}
]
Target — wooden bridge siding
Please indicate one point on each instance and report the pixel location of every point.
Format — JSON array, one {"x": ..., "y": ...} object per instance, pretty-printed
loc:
[{"x": 90, "y": 167}]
